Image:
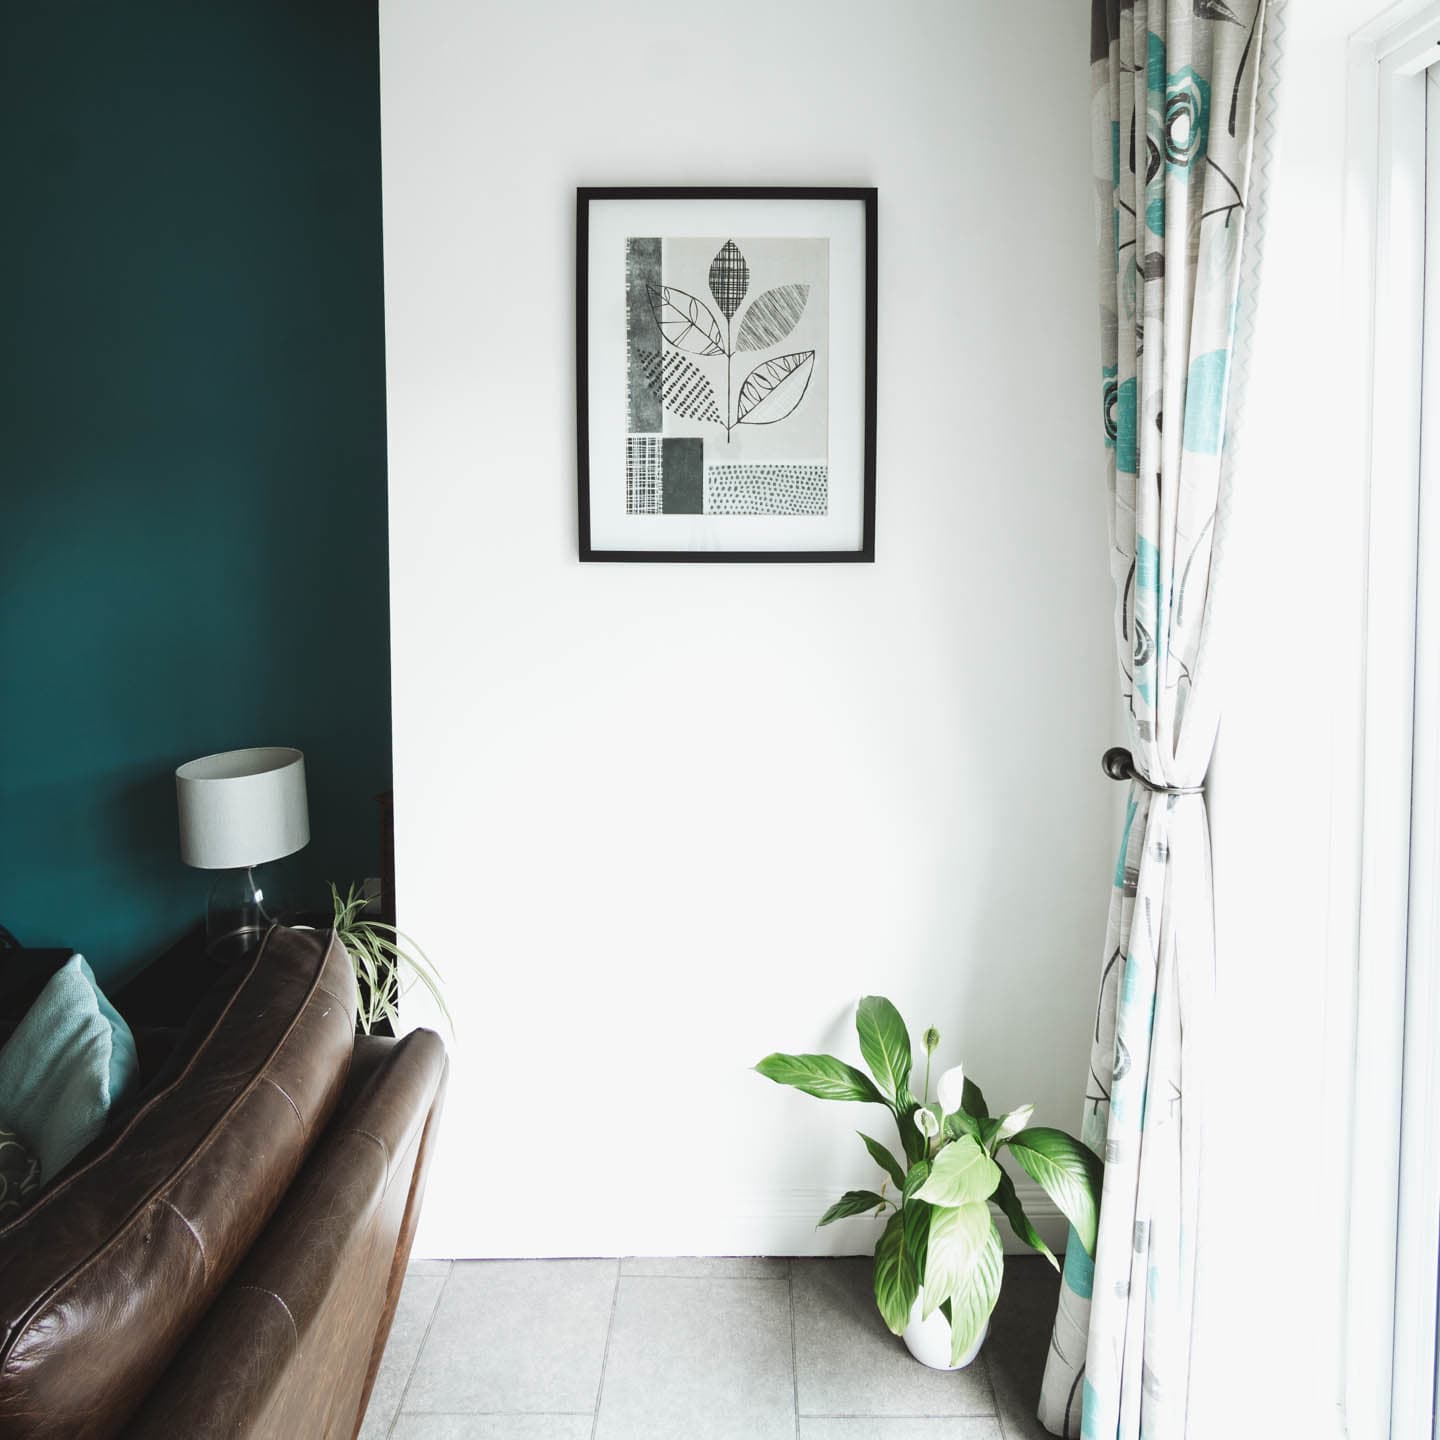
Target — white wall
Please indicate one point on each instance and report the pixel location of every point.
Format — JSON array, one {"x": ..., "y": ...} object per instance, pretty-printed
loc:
[{"x": 655, "y": 821}]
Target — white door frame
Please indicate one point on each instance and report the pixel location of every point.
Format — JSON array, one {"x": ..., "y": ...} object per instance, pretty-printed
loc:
[{"x": 1386, "y": 1089}]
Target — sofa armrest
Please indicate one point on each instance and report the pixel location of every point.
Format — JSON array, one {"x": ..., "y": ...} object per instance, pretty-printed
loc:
[{"x": 371, "y": 1053}]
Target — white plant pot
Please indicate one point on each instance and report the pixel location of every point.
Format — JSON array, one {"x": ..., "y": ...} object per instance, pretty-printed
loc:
[{"x": 929, "y": 1340}]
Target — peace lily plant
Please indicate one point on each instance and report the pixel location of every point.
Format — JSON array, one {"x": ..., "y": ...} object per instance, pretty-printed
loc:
[{"x": 940, "y": 1246}]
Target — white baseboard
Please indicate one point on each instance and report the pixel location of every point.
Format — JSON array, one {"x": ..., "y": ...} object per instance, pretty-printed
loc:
[{"x": 779, "y": 1222}]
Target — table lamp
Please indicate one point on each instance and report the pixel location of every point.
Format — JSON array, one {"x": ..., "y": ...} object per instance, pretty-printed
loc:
[{"x": 239, "y": 810}]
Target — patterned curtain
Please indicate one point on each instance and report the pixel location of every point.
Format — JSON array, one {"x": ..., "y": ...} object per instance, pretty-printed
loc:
[{"x": 1173, "y": 104}]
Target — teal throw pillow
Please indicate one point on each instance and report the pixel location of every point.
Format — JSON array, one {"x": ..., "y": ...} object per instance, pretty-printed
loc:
[{"x": 68, "y": 1062}]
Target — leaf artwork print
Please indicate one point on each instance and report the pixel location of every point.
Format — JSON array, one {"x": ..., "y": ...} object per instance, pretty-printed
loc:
[
  {"x": 774, "y": 388},
  {"x": 686, "y": 322},
  {"x": 729, "y": 278},
  {"x": 682, "y": 389},
  {"x": 772, "y": 317},
  {"x": 727, "y": 344}
]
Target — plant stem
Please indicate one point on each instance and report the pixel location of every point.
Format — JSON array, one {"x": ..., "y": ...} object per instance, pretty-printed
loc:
[
  {"x": 729, "y": 362},
  {"x": 929, "y": 1056}
]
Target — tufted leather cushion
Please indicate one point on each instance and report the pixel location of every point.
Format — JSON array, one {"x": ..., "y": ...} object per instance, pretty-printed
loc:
[{"x": 105, "y": 1274}]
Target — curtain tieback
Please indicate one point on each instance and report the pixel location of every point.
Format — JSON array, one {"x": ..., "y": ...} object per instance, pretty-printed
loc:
[{"x": 1119, "y": 764}]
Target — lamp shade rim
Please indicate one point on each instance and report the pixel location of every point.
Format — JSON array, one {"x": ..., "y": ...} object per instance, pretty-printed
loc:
[{"x": 238, "y": 764}]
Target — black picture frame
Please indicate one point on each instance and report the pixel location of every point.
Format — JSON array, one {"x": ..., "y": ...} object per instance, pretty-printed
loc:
[{"x": 866, "y": 196}]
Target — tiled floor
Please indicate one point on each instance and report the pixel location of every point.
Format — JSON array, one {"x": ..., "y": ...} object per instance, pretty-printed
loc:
[{"x": 691, "y": 1350}]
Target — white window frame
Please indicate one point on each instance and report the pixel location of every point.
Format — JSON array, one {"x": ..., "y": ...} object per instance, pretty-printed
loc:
[
  {"x": 1413, "y": 1386},
  {"x": 1386, "y": 1094}
]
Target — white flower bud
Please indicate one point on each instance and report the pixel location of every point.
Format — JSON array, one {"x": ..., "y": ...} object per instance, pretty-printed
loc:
[{"x": 926, "y": 1123}]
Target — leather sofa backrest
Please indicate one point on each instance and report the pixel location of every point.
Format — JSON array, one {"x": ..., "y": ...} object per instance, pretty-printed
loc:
[
  {"x": 310, "y": 1307},
  {"x": 106, "y": 1273}
]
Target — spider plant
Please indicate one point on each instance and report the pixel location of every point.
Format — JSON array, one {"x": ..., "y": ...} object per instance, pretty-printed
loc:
[{"x": 380, "y": 954}]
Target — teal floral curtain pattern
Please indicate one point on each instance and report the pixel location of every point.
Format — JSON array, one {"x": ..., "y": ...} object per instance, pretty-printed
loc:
[{"x": 1173, "y": 108}]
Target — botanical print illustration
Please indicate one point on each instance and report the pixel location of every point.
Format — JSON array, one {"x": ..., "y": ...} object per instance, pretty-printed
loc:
[{"x": 727, "y": 359}]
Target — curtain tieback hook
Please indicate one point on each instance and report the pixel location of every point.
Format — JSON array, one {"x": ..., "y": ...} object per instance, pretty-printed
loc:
[{"x": 1119, "y": 764}]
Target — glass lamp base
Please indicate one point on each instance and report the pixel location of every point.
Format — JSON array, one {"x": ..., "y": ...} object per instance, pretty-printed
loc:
[{"x": 236, "y": 917}]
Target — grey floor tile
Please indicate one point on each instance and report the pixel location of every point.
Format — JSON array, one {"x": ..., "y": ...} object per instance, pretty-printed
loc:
[
  {"x": 494, "y": 1427},
  {"x": 429, "y": 1267},
  {"x": 955, "y": 1427},
  {"x": 416, "y": 1305},
  {"x": 848, "y": 1364},
  {"x": 1019, "y": 1340},
  {"x": 706, "y": 1359},
  {"x": 516, "y": 1335},
  {"x": 705, "y": 1267}
]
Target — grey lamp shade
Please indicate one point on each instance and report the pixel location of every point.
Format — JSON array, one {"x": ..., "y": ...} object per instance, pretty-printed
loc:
[{"x": 242, "y": 807}]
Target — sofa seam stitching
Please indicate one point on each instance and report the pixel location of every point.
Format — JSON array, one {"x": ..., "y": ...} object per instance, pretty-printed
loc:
[
  {"x": 279, "y": 1300},
  {"x": 384, "y": 1148},
  {"x": 289, "y": 1100},
  {"x": 195, "y": 1234}
]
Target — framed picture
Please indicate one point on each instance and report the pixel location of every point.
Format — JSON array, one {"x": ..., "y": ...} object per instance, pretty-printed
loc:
[{"x": 725, "y": 374}]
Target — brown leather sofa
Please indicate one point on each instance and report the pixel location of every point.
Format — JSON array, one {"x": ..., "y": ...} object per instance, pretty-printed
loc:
[{"x": 226, "y": 1257}]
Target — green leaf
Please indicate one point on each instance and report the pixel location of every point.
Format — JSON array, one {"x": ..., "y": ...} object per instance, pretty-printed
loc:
[
  {"x": 957, "y": 1235},
  {"x": 916, "y": 1216},
  {"x": 972, "y": 1101},
  {"x": 1010, "y": 1206},
  {"x": 896, "y": 1280},
  {"x": 852, "y": 1202},
  {"x": 971, "y": 1305},
  {"x": 960, "y": 1173},
  {"x": 1068, "y": 1172},
  {"x": 823, "y": 1076},
  {"x": 919, "y": 1174},
  {"x": 362, "y": 962},
  {"x": 383, "y": 959},
  {"x": 884, "y": 1159},
  {"x": 885, "y": 1044},
  {"x": 989, "y": 1129},
  {"x": 912, "y": 1142},
  {"x": 958, "y": 1123},
  {"x": 431, "y": 982}
]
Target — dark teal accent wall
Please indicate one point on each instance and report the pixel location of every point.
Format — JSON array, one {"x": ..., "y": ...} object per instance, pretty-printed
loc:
[{"x": 192, "y": 443}]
